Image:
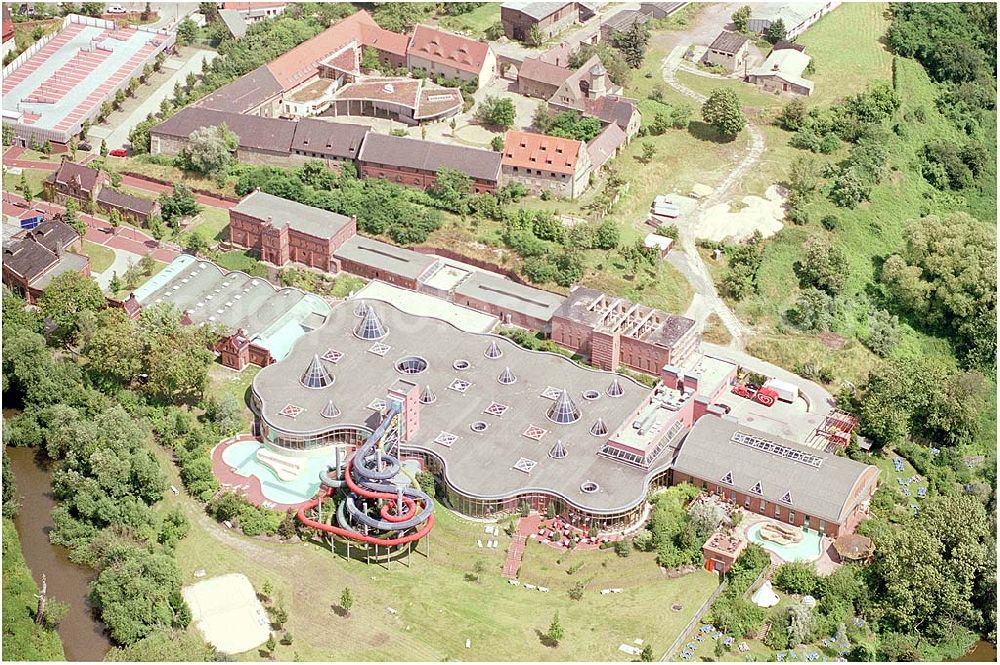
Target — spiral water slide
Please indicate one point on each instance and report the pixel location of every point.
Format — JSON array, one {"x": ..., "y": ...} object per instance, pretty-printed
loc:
[{"x": 366, "y": 476}]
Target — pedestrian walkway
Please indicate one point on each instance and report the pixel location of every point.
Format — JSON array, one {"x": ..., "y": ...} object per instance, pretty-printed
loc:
[{"x": 525, "y": 526}]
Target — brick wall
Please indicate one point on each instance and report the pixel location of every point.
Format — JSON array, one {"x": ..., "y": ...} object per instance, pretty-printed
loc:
[
  {"x": 414, "y": 178},
  {"x": 368, "y": 272},
  {"x": 516, "y": 318}
]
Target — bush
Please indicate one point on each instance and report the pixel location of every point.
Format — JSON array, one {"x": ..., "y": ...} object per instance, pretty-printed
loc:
[{"x": 798, "y": 578}]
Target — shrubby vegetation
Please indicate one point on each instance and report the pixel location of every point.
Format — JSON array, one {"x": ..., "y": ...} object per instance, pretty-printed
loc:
[
  {"x": 732, "y": 611},
  {"x": 23, "y": 639}
]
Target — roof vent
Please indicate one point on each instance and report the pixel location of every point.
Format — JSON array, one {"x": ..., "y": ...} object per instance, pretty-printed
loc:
[
  {"x": 506, "y": 377},
  {"x": 371, "y": 326},
  {"x": 316, "y": 375},
  {"x": 428, "y": 396},
  {"x": 558, "y": 451},
  {"x": 599, "y": 428},
  {"x": 563, "y": 411},
  {"x": 493, "y": 351},
  {"x": 615, "y": 389},
  {"x": 361, "y": 308},
  {"x": 330, "y": 410}
]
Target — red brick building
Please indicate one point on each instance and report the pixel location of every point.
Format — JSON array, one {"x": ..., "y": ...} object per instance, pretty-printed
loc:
[
  {"x": 284, "y": 231},
  {"x": 31, "y": 259},
  {"x": 614, "y": 331}
]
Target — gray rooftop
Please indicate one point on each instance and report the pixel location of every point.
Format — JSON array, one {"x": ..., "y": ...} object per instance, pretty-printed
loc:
[
  {"x": 430, "y": 156},
  {"x": 790, "y": 13},
  {"x": 245, "y": 93},
  {"x": 476, "y": 463},
  {"x": 254, "y": 132},
  {"x": 330, "y": 139},
  {"x": 536, "y": 10},
  {"x": 236, "y": 301},
  {"x": 510, "y": 295},
  {"x": 234, "y": 21},
  {"x": 828, "y": 491},
  {"x": 383, "y": 256},
  {"x": 307, "y": 219}
]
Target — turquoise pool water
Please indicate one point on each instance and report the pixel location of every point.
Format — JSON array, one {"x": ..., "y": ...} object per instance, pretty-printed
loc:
[
  {"x": 242, "y": 456},
  {"x": 808, "y": 549}
]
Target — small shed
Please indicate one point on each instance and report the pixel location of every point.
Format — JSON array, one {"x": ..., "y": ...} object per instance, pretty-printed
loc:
[
  {"x": 662, "y": 244},
  {"x": 854, "y": 547},
  {"x": 721, "y": 551}
]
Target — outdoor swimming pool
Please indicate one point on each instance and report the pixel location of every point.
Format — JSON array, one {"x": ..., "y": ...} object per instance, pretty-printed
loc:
[
  {"x": 808, "y": 549},
  {"x": 242, "y": 456}
]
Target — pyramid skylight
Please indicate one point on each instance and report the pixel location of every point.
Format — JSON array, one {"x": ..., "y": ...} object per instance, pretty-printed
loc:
[
  {"x": 370, "y": 327},
  {"x": 316, "y": 375},
  {"x": 563, "y": 411}
]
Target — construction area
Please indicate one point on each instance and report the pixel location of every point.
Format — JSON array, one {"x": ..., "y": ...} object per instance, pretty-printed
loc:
[{"x": 52, "y": 88}]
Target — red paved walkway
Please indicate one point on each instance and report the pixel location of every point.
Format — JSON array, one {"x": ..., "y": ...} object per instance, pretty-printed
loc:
[
  {"x": 248, "y": 486},
  {"x": 99, "y": 231}
]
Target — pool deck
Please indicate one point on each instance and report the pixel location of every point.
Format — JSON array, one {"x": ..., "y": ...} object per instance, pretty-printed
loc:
[{"x": 248, "y": 486}]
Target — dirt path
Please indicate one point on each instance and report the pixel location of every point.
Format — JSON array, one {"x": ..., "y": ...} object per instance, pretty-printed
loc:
[{"x": 689, "y": 262}]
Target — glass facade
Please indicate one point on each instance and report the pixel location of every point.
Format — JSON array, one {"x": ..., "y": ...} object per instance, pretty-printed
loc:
[{"x": 354, "y": 436}]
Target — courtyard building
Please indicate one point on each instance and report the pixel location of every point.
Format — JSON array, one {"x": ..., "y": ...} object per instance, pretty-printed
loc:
[
  {"x": 415, "y": 163},
  {"x": 450, "y": 55},
  {"x": 729, "y": 50},
  {"x": 519, "y": 19}
]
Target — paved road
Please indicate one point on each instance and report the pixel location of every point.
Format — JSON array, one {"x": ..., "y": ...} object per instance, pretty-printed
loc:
[{"x": 117, "y": 137}]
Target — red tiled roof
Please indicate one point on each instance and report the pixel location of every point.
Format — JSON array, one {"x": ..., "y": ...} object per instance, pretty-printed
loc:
[
  {"x": 301, "y": 62},
  {"x": 448, "y": 49},
  {"x": 384, "y": 40},
  {"x": 540, "y": 151},
  {"x": 246, "y": 6},
  {"x": 536, "y": 69}
]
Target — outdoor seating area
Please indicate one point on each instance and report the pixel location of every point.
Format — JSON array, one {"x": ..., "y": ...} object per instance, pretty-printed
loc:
[
  {"x": 908, "y": 485},
  {"x": 557, "y": 533}
]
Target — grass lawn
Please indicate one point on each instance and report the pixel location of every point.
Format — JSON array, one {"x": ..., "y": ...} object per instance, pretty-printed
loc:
[
  {"x": 437, "y": 609},
  {"x": 35, "y": 177},
  {"x": 236, "y": 259},
  {"x": 127, "y": 288},
  {"x": 211, "y": 224},
  {"x": 101, "y": 257},
  {"x": 847, "y": 51},
  {"x": 474, "y": 23},
  {"x": 22, "y": 639},
  {"x": 145, "y": 165}
]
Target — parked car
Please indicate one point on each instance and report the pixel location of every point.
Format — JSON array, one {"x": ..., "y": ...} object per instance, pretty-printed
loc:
[
  {"x": 117, "y": 9},
  {"x": 83, "y": 145},
  {"x": 118, "y": 152}
]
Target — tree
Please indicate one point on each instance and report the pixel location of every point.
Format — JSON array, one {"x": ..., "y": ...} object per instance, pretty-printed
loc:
[
  {"x": 279, "y": 615},
  {"x": 775, "y": 32},
  {"x": 178, "y": 204},
  {"x": 576, "y": 593},
  {"x": 116, "y": 283},
  {"x": 67, "y": 295},
  {"x": 25, "y": 187},
  {"x": 496, "y": 143},
  {"x": 648, "y": 152},
  {"x": 210, "y": 10},
  {"x": 210, "y": 150},
  {"x": 147, "y": 13},
  {"x": 646, "y": 655},
  {"x": 104, "y": 148},
  {"x": 622, "y": 548},
  {"x": 813, "y": 310},
  {"x": 346, "y": 601},
  {"x": 55, "y": 612},
  {"x": 741, "y": 18},
  {"x": 824, "y": 266},
  {"x": 266, "y": 588},
  {"x": 369, "y": 59},
  {"x": 478, "y": 569},
  {"x": 95, "y": 9},
  {"x": 556, "y": 631},
  {"x": 632, "y": 42},
  {"x": 800, "y": 622},
  {"x": 792, "y": 115},
  {"x": 534, "y": 37},
  {"x": 723, "y": 112},
  {"x": 797, "y": 577},
  {"x": 119, "y": 98},
  {"x": 187, "y": 31},
  {"x": 270, "y": 645},
  {"x": 804, "y": 176},
  {"x": 496, "y": 112},
  {"x": 453, "y": 189}
]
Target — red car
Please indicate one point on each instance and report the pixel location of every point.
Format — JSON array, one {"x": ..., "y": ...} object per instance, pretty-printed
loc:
[{"x": 118, "y": 152}]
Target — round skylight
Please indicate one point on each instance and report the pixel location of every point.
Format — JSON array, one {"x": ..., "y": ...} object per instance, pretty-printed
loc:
[
  {"x": 461, "y": 364},
  {"x": 589, "y": 487},
  {"x": 479, "y": 426},
  {"x": 411, "y": 365}
]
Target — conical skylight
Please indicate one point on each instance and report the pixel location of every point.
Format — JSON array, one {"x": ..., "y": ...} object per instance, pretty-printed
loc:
[
  {"x": 599, "y": 428},
  {"x": 371, "y": 326},
  {"x": 316, "y": 375},
  {"x": 558, "y": 451},
  {"x": 563, "y": 410},
  {"x": 330, "y": 410},
  {"x": 361, "y": 308},
  {"x": 506, "y": 377},
  {"x": 493, "y": 351},
  {"x": 615, "y": 389},
  {"x": 427, "y": 396}
]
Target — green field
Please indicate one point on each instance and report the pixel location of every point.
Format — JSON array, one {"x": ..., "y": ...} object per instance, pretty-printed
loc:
[
  {"x": 847, "y": 51},
  {"x": 101, "y": 257},
  {"x": 22, "y": 638},
  {"x": 35, "y": 177},
  {"x": 474, "y": 23}
]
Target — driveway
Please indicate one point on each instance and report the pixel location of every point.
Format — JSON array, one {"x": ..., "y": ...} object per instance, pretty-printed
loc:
[{"x": 123, "y": 261}]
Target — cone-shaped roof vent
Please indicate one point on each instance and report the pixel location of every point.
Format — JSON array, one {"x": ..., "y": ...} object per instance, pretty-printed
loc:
[
  {"x": 428, "y": 396},
  {"x": 563, "y": 410},
  {"x": 615, "y": 389},
  {"x": 316, "y": 374},
  {"x": 506, "y": 377},
  {"x": 371, "y": 326},
  {"x": 361, "y": 308},
  {"x": 599, "y": 428},
  {"x": 493, "y": 351},
  {"x": 558, "y": 451},
  {"x": 330, "y": 410}
]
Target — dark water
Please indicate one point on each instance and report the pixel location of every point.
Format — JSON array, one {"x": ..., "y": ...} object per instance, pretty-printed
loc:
[
  {"x": 982, "y": 652},
  {"x": 83, "y": 636}
]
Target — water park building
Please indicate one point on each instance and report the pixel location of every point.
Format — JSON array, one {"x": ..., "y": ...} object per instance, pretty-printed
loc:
[{"x": 62, "y": 80}]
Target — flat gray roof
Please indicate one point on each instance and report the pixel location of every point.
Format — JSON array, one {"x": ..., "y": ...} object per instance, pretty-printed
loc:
[
  {"x": 383, "y": 256},
  {"x": 307, "y": 219},
  {"x": 826, "y": 491},
  {"x": 510, "y": 295},
  {"x": 479, "y": 464},
  {"x": 234, "y": 300}
]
